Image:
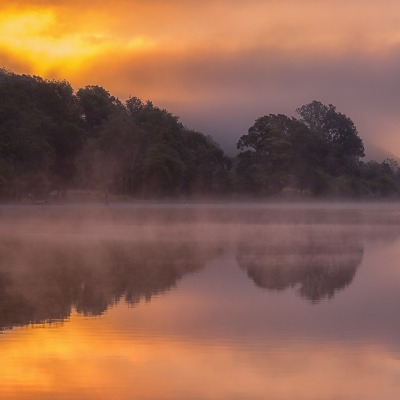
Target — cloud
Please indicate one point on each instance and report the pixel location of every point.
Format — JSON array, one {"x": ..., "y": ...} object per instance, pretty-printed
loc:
[
  {"x": 219, "y": 64},
  {"x": 222, "y": 93}
]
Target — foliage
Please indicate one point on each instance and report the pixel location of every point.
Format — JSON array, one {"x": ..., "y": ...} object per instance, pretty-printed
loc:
[
  {"x": 343, "y": 146},
  {"x": 40, "y": 134},
  {"x": 52, "y": 139},
  {"x": 317, "y": 154},
  {"x": 278, "y": 152}
]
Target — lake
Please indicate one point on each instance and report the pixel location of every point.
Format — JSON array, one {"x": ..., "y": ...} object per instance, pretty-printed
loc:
[{"x": 200, "y": 301}]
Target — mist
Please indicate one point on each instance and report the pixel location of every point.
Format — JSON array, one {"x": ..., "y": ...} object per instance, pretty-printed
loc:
[
  {"x": 158, "y": 289},
  {"x": 89, "y": 258}
]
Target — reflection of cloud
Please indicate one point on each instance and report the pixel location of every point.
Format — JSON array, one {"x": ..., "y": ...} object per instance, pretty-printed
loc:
[
  {"x": 318, "y": 267},
  {"x": 87, "y": 359},
  {"x": 216, "y": 327},
  {"x": 89, "y": 258}
]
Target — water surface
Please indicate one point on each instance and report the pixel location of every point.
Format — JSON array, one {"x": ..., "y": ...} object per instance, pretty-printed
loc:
[{"x": 175, "y": 301}]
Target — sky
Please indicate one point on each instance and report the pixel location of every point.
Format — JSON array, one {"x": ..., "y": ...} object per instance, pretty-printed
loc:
[{"x": 220, "y": 64}]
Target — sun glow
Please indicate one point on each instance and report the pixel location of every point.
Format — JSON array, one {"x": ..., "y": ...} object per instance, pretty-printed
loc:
[{"x": 34, "y": 38}]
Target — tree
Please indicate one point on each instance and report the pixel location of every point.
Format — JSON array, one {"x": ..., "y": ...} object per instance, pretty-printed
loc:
[
  {"x": 171, "y": 159},
  {"x": 206, "y": 166},
  {"x": 97, "y": 104},
  {"x": 343, "y": 146},
  {"x": 278, "y": 151},
  {"x": 263, "y": 161}
]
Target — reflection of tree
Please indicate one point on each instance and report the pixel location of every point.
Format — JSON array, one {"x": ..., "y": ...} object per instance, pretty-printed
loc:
[
  {"x": 43, "y": 281},
  {"x": 318, "y": 267}
]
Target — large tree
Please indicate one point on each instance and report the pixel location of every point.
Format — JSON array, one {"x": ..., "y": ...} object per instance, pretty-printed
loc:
[
  {"x": 97, "y": 104},
  {"x": 343, "y": 146},
  {"x": 278, "y": 151},
  {"x": 40, "y": 134}
]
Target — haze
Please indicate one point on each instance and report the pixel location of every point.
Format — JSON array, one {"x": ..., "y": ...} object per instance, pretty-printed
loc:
[
  {"x": 219, "y": 64},
  {"x": 187, "y": 296}
]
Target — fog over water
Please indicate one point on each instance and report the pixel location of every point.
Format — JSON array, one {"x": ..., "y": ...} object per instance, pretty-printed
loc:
[
  {"x": 193, "y": 290},
  {"x": 56, "y": 258}
]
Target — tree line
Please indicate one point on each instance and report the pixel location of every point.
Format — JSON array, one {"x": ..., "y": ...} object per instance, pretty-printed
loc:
[{"x": 53, "y": 139}]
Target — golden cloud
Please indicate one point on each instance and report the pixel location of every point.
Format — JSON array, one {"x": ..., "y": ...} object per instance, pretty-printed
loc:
[
  {"x": 190, "y": 52},
  {"x": 66, "y": 35}
]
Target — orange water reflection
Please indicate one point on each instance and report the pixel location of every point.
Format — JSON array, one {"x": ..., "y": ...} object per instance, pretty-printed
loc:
[
  {"x": 289, "y": 311},
  {"x": 69, "y": 361}
]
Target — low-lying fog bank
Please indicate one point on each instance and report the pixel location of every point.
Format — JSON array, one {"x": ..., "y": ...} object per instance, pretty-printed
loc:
[{"x": 54, "y": 259}]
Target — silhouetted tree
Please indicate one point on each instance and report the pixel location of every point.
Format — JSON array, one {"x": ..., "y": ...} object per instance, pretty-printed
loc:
[
  {"x": 343, "y": 146},
  {"x": 97, "y": 104},
  {"x": 278, "y": 151},
  {"x": 52, "y": 139}
]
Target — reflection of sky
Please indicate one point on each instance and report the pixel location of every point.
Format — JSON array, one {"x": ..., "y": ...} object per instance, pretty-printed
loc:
[
  {"x": 222, "y": 302},
  {"x": 217, "y": 336}
]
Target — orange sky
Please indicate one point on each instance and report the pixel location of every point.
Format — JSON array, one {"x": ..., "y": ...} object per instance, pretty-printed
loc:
[{"x": 219, "y": 64}]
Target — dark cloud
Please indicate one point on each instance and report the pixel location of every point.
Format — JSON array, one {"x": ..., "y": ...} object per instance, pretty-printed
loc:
[
  {"x": 223, "y": 93},
  {"x": 221, "y": 64}
]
